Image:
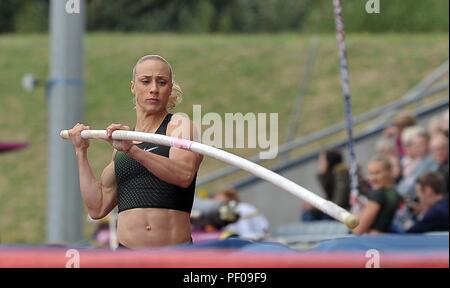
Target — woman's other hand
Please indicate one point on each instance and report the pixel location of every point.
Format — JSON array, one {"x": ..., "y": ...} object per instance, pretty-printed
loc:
[{"x": 119, "y": 145}]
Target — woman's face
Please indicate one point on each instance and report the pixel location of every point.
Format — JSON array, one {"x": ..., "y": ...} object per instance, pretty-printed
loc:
[
  {"x": 420, "y": 146},
  {"x": 322, "y": 163},
  {"x": 152, "y": 86},
  {"x": 379, "y": 176},
  {"x": 439, "y": 149}
]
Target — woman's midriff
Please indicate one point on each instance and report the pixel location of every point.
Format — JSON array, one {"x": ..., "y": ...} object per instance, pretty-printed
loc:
[{"x": 153, "y": 227}]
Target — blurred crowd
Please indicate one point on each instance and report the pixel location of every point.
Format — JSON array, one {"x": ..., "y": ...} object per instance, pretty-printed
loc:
[
  {"x": 405, "y": 188},
  {"x": 228, "y": 216},
  {"x": 402, "y": 189}
]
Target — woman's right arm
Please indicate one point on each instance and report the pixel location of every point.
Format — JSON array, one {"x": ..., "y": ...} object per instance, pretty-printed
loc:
[
  {"x": 367, "y": 218},
  {"x": 99, "y": 197}
]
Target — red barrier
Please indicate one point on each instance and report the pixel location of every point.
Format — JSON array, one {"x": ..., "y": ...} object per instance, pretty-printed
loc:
[{"x": 61, "y": 258}]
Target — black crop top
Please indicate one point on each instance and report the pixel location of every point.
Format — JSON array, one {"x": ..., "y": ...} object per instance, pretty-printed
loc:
[{"x": 139, "y": 188}]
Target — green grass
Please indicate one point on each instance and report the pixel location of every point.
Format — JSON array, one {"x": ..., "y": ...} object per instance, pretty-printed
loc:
[{"x": 235, "y": 73}]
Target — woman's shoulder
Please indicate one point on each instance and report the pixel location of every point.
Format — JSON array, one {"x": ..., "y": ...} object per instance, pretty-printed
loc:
[
  {"x": 377, "y": 195},
  {"x": 180, "y": 126},
  {"x": 178, "y": 117}
]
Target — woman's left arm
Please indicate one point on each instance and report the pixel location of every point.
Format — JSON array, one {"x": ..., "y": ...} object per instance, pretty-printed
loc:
[{"x": 181, "y": 166}]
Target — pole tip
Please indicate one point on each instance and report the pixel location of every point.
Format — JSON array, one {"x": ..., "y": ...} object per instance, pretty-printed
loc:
[
  {"x": 352, "y": 222},
  {"x": 64, "y": 134}
]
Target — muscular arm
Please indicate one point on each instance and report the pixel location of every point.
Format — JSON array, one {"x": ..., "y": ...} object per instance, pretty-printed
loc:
[
  {"x": 368, "y": 216},
  {"x": 100, "y": 197},
  {"x": 181, "y": 166}
]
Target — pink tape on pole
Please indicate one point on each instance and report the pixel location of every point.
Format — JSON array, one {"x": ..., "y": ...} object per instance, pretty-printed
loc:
[{"x": 181, "y": 143}]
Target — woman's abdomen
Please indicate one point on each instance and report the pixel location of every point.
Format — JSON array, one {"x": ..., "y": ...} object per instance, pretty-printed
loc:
[{"x": 153, "y": 227}]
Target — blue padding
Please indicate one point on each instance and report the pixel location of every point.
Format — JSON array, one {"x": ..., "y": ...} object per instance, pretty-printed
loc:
[
  {"x": 238, "y": 245},
  {"x": 267, "y": 247},
  {"x": 386, "y": 243},
  {"x": 383, "y": 243}
]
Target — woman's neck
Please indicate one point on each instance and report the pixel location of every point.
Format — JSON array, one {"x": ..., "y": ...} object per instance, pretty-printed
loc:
[
  {"x": 389, "y": 185},
  {"x": 149, "y": 123}
]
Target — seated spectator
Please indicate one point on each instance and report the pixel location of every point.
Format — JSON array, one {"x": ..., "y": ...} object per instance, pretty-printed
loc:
[
  {"x": 417, "y": 159},
  {"x": 433, "y": 203},
  {"x": 434, "y": 126},
  {"x": 251, "y": 224},
  {"x": 210, "y": 215},
  {"x": 383, "y": 200},
  {"x": 405, "y": 215},
  {"x": 101, "y": 236},
  {"x": 334, "y": 177},
  {"x": 388, "y": 148},
  {"x": 401, "y": 121},
  {"x": 439, "y": 152}
]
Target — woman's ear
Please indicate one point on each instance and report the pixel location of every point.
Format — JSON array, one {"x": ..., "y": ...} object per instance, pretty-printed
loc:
[{"x": 132, "y": 87}]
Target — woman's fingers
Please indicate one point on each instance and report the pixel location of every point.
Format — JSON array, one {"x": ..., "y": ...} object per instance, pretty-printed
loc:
[
  {"x": 120, "y": 145},
  {"x": 75, "y": 136},
  {"x": 75, "y": 130},
  {"x": 111, "y": 128}
]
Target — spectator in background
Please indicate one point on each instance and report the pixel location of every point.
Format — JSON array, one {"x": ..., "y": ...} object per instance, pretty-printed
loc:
[
  {"x": 416, "y": 162},
  {"x": 439, "y": 152},
  {"x": 434, "y": 126},
  {"x": 434, "y": 204},
  {"x": 417, "y": 159},
  {"x": 102, "y": 234},
  {"x": 333, "y": 176},
  {"x": 383, "y": 199},
  {"x": 251, "y": 224},
  {"x": 401, "y": 121},
  {"x": 412, "y": 156},
  {"x": 388, "y": 148}
]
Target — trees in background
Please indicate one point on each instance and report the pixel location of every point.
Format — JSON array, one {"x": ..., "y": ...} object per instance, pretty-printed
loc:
[{"x": 233, "y": 16}]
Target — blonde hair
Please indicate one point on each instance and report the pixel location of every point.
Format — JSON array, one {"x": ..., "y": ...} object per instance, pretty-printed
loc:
[
  {"x": 410, "y": 133},
  {"x": 177, "y": 94},
  {"x": 387, "y": 164}
]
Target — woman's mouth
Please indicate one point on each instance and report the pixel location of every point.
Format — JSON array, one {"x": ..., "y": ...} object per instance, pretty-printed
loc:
[{"x": 152, "y": 100}]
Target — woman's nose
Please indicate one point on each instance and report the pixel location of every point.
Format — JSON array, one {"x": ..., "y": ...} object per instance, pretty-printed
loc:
[{"x": 154, "y": 87}]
